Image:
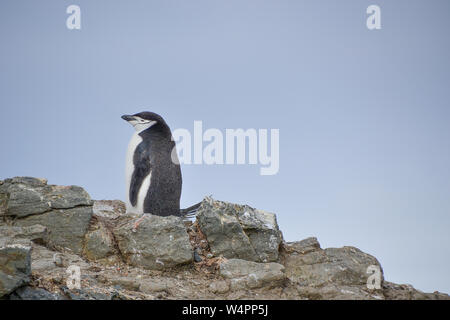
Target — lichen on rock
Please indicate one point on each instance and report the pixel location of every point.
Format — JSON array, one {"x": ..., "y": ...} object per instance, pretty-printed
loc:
[
  {"x": 239, "y": 231},
  {"x": 15, "y": 267},
  {"x": 29, "y": 196},
  {"x": 65, "y": 211},
  {"x": 153, "y": 242},
  {"x": 248, "y": 274}
]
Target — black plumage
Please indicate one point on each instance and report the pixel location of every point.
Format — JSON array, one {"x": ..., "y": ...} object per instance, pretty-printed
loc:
[{"x": 154, "y": 156}]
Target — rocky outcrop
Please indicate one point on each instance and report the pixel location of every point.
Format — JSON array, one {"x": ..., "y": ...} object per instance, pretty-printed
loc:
[
  {"x": 30, "y": 196},
  {"x": 15, "y": 267},
  {"x": 332, "y": 273},
  {"x": 239, "y": 231},
  {"x": 109, "y": 209},
  {"x": 4, "y": 199},
  {"x": 248, "y": 274},
  {"x": 99, "y": 242},
  {"x": 65, "y": 211},
  {"x": 230, "y": 252},
  {"x": 153, "y": 242},
  {"x": 394, "y": 291},
  {"x": 66, "y": 227},
  {"x": 317, "y": 267},
  {"x": 30, "y": 293},
  {"x": 22, "y": 235}
]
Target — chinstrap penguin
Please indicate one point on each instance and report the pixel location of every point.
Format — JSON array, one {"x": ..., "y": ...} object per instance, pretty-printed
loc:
[{"x": 153, "y": 174}]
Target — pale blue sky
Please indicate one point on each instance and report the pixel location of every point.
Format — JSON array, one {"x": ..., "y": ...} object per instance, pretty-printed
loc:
[{"x": 363, "y": 115}]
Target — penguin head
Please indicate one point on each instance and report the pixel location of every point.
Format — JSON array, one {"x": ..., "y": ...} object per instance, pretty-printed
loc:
[{"x": 143, "y": 120}]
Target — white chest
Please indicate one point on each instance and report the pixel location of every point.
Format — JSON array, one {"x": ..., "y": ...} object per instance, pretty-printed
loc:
[{"x": 136, "y": 139}]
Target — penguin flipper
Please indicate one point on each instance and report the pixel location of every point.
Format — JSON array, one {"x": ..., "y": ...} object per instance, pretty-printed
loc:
[{"x": 142, "y": 168}]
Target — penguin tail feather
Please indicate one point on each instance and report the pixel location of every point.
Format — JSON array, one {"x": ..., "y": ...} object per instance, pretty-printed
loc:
[{"x": 190, "y": 212}]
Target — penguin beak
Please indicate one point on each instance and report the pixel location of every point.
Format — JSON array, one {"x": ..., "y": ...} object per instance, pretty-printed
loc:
[{"x": 128, "y": 118}]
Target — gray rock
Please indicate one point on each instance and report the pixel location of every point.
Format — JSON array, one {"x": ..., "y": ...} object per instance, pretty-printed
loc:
[
  {"x": 197, "y": 257},
  {"x": 6, "y": 241},
  {"x": 99, "y": 243},
  {"x": 90, "y": 294},
  {"x": 65, "y": 211},
  {"x": 126, "y": 283},
  {"x": 303, "y": 246},
  {"x": 66, "y": 227},
  {"x": 4, "y": 198},
  {"x": 34, "y": 232},
  {"x": 252, "y": 274},
  {"x": 239, "y": 231},
  {"x": 394, "y": 291},
  {"x": 29, "y": 196},
  {"x": 30, "y": 293},
  {"x": 220, "y": 287},
  {"x": 347, "y": 266},
  {"x": 15, "y": 267},
  {"x": 46, "y": 261},
  {"x": 339, "y": 292},
  {"x": 34, "y": 214},
  {"x": 153, "y": 242},
  {"x": 110, "y": 209},
  {"x": 150, "y": 287}
]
